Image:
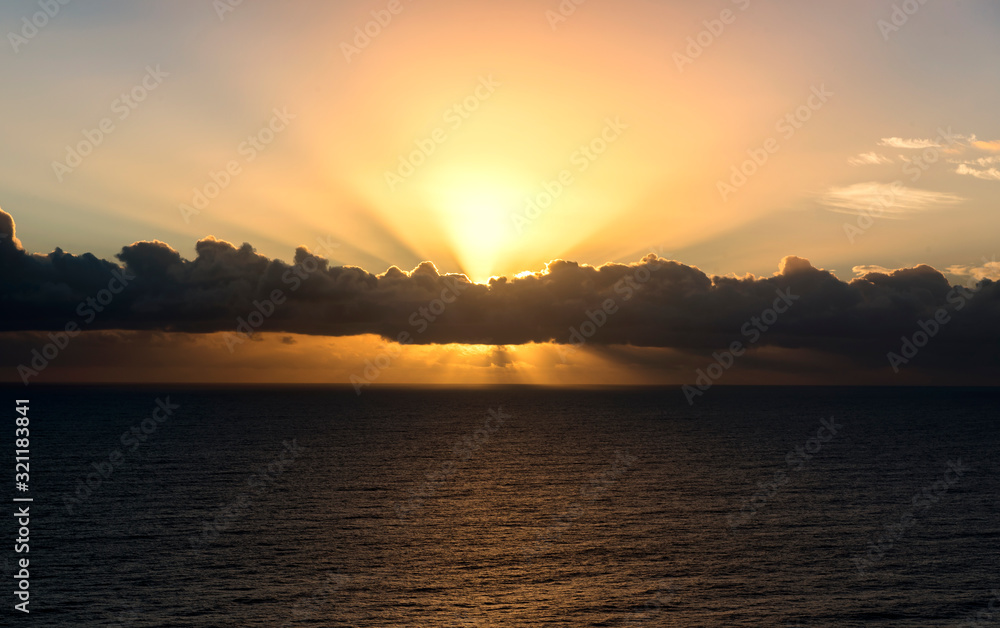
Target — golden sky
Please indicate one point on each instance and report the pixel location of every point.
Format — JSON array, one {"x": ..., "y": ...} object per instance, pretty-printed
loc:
[{"x": 491, "y": 138}]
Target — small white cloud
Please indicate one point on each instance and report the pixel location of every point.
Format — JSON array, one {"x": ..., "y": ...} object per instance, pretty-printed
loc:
[
  {"x": 883, "y": 198},
  {"x": 989, "y": 270},
  {"x": 988, "y": 174},
  {"x": 981, "y": 161},
  {"x": 869, "y": 159},
  {"x": 899, "y": 142}
]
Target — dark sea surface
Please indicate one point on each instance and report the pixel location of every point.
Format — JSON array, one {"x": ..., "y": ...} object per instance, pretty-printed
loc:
[{"x": 419, "y": 507}]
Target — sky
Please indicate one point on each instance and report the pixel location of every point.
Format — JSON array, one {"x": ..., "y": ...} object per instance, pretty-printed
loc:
[{"x": 420, "y": 141}]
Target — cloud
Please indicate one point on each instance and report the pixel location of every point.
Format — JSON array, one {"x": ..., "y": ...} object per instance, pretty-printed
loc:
[
  {"x": 989, "y": 270},
  {"x": 952, "y": 145},
  {"x": 895, "y": 198},
  {"x": 987, "y": 174},
  {"x": 981, "y": 161},
  {"x": 989, "y": 146},
  {"x": 650, "y": 303},
  {"x": 7, "y": 231},
  {"x": 870, "y": 268},
  {"x": 899, "y": 142},
  {"x": 869, "y": 159}
]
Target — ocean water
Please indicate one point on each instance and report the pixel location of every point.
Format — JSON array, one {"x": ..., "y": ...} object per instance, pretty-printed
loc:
[{"x": 302, "y": 506}]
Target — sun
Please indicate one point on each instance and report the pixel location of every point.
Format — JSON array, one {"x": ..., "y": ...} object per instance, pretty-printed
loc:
[{"x": 476, "y": 210}]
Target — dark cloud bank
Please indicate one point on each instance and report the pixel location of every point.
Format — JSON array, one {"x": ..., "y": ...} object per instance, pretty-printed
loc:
[{"x": 652, "y": 303}]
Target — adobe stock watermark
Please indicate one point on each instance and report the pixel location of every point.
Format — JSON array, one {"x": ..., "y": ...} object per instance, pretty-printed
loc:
[
  {"x": 318, "y": 604},
  {"x": 454, "y": 117},
  {"x": 589, "y": 494},
  {"x": 714, "y": 28},
  {"x": 665, "y": 593},
  {"x": 294, "y": 277},
  {"x": 130, "y": 440},
  {"x": 462, "y": 450},
  {"x": 366, "y": 33},
  {"x": 421, "y": 319},
  {"x": 122, "y": 107},
  {"x": 33, "y": 24},
  {"x": 787, "y": 126},
  {"x": 257, "y": 482},
  {"x": 921, "y": 501},
  {"x": 625, "y": 288},
  {"x": 563, "y": 11},
  {"x": 958, "y": 297},
  {"x": 901, "y": 14},
  {"x": 889, "y": 195},
  {"x": 986, "y": 617},
  {"x": 795, "y": 460},
  {"x": 583, "y": 158},
  {"x": 224, "y": 7},
  {"x": 88, "y": 309},
  {"x": 752, "y": 330},
  {"x": 128, "y": 613},
  {"x": 248, "y": 150}
]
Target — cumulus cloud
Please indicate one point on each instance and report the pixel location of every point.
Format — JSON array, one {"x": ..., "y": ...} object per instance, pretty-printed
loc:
[
  {"x": 860, "y": 198},
  {"x": 7, "y": 231},
  {"x": 653, "y": 302}
]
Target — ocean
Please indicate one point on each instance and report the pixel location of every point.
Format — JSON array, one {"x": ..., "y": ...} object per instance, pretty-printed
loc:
[{"x": 514, "y": 506}]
